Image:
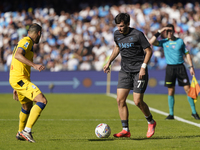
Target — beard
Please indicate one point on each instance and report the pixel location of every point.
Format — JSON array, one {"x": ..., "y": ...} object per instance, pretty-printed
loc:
[{"x": 37, "y": 40}]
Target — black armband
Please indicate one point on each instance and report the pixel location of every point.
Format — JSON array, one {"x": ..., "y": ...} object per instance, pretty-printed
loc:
[{"x": 157, "y": 34}]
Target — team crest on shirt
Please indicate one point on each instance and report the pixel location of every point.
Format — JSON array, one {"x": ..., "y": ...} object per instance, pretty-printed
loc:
[
  {"x": 173, "y": 46},
  {"x": 33, "y": 86},
  {"x": 131, "y": 39},
  {"x": 26, "y": 44},
  {"x": 185, "y": 80}
]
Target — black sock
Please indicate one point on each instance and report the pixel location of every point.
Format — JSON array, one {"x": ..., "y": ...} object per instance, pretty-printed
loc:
[
  {"x": 150, "y": 119},
  {"x": 124, "y": 123}
]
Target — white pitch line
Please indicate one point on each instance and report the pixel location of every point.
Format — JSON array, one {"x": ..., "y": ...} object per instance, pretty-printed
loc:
[{"x": 159, "y": 112}]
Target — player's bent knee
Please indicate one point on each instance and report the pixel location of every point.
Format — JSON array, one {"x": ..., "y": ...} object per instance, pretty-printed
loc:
[
  {"x": 138, "y": 103},
  {"x": 41, "y": 98},
  {"x": 44, "y": 101},
  {"x": 27, "y": 106},
  {"x": 41, "y": 105}
]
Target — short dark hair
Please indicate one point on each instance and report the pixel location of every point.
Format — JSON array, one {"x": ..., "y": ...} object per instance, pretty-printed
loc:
[
  {"x": 171, "y": 25},
  {"x": 35, "y": 28},
  {"x": 122, "y": 17}
]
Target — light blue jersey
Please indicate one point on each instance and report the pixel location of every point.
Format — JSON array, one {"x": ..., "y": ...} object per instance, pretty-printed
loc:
[{"x": 173, "y": 50}]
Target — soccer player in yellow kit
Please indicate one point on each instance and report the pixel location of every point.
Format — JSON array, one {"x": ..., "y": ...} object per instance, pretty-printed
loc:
[{"x": 24, "y": 90}]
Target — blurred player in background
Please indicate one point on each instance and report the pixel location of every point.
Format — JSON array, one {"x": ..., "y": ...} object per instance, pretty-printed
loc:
[
  {"x": 131, "y": 44},
  {"x": 25, "y": 91},
  {"x": 174, "y": 50}
]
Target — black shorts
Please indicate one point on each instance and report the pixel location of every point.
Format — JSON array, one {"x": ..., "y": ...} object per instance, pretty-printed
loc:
[
  {"x": 174, "y": 72},
  {"x": 131, "y": 81}
]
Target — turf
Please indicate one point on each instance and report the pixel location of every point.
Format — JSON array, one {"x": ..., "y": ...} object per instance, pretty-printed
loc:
[{"x": 69, "y": 120}]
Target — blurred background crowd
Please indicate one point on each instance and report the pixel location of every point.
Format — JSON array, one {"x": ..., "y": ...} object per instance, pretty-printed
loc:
[{"x": 79, "y": 35}]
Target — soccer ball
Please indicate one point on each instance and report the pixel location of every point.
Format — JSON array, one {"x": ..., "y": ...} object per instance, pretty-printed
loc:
[{"x": 102, "y": 130}]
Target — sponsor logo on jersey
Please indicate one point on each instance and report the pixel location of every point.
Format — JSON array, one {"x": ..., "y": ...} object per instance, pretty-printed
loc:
[
  {"x": 131, "y": 39},
  {"x": 168, "y": 82},
  {"x": 26, "y": 44},
  {"x": 126, "y": 45}
]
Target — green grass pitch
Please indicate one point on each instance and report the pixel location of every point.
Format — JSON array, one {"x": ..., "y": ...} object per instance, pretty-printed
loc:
[{"x": 69, "y": 120}]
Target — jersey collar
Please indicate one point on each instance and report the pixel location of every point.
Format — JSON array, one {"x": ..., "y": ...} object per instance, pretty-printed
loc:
[{"x": 31, "y": 39}]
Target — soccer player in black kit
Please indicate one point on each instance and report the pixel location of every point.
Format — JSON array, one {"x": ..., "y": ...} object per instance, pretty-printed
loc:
[{"x": 131, "y": 44}]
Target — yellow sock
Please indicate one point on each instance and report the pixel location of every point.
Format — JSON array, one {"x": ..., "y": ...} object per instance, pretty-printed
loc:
[
  {"x": 34, "y": 115},
  {"x": 22, "y": 120}
]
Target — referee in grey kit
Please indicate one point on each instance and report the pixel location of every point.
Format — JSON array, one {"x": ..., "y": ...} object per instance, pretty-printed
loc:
[{"x": 131, "y": 44}]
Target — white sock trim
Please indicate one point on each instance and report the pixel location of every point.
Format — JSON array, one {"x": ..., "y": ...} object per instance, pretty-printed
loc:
[{"x": 27, "y": 129}]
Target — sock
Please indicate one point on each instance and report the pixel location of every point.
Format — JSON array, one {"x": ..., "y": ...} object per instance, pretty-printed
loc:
[
  {"x": 149, "y": 119},
  {"x": 171, "y": 104},
  {"x": 23, "y": 116},
  {"x": 192, "y": 105},
  {"x": 27, "y": 129},
  {"x": 125, "y": 125},
  {"x": 34, "y": 114}
]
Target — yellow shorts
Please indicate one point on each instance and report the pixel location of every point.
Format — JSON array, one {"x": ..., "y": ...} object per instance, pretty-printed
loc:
[{"x": 26, "y": 90}]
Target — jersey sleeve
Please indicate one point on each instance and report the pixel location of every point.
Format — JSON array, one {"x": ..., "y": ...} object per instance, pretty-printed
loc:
[
  {"x": 185, "y": 51},
  {"x": 160, "y": 43},
  {"x": 143, "y": 41},
  {"x": 24, "y": 44}
]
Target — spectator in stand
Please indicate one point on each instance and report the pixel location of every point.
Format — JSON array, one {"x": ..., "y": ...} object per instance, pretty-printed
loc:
[{"x": 95, "y": 22}]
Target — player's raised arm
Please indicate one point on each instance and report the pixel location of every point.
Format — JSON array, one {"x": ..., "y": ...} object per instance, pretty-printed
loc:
[
  {"x": 19, "y": 55},
  {"x": 153, "y": 40}
]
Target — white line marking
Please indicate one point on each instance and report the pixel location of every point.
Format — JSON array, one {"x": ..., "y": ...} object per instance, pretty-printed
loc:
[{"x": 159, "y": 112}]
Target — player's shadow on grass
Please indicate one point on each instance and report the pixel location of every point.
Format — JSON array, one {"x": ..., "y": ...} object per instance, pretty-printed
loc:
[
  {"x": 145, "y": 138},
  {"x": 165, "y": 137},
  {"x": 101, "y": 139},
  {"x": 133, "y": 138}
]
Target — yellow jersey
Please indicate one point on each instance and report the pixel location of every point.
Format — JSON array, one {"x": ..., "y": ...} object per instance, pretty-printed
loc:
[{"x": 19, "y": 70}]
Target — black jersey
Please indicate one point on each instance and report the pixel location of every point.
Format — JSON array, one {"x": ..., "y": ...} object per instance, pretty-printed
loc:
[{"x": 131, "y": 47}]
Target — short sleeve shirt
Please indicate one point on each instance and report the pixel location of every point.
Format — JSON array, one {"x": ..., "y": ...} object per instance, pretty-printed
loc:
[
  {"x": 19, "y": 69},
  {"x": 173, "y": 50},
  {"x": 131, "y": 47}
]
